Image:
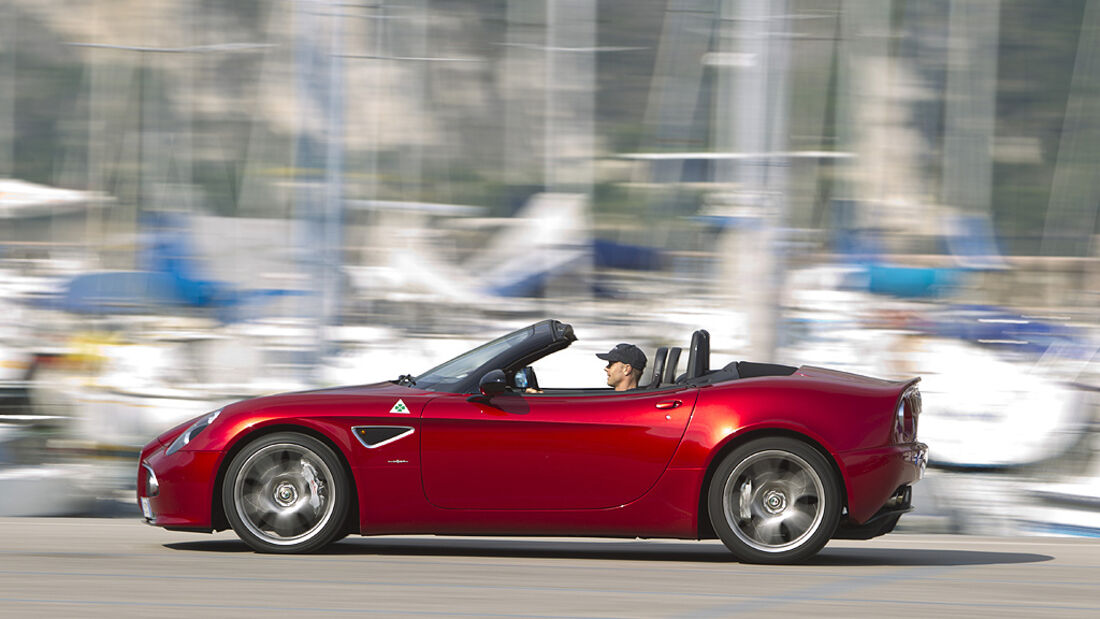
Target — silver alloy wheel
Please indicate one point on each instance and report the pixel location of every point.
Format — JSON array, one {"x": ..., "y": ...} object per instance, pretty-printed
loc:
[
  {"x": 284, "y": 494},
  {"x": 773, "y": 500}
]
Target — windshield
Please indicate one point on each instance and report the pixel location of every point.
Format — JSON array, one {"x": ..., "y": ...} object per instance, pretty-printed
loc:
[{"x": 458, "y": 369}]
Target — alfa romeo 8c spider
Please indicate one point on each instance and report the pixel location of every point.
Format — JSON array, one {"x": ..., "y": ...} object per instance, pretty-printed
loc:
[{"x": 772, "y": 460}]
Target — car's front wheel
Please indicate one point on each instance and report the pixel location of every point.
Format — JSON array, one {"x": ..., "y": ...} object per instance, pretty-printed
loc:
[
  {"x": 286, "y": 493},
  {"x": 774, "y": 500}
]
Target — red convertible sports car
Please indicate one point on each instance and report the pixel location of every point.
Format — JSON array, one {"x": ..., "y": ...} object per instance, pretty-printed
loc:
[{"x": 771, "y": 459}]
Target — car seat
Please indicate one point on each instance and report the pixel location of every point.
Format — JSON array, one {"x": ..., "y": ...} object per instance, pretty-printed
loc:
[
  {"x": 658, "y": 367},
  {"x": 670, "y": 365},
  {"x": 699, "y": 355}
]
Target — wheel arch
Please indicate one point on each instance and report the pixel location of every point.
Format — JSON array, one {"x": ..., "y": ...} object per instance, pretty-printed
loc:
[
  {"x": 218, "y": 519},
  {"x": 704, "y": 527}
]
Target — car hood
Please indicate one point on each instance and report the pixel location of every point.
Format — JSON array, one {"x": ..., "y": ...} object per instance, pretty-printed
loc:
[
  {"x": 311, "y": 408},
  {"x": 332, "y": 398}
]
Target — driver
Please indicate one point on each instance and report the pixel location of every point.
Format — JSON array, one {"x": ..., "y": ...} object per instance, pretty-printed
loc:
[{"x": 625, "y": 364}]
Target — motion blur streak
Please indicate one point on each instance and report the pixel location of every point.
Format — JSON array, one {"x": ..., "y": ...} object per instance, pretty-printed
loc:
[{"x": 206, "y": 201}]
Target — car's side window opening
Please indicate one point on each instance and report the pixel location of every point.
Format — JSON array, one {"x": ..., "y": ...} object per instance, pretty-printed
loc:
[
  {"x": 564, "y": 374},
  {"x": 568, "y": 370},
  {"x": 520, "y": 381}
]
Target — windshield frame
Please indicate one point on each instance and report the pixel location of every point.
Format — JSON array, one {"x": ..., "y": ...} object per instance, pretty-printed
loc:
[{"x": 456, "y": 370}]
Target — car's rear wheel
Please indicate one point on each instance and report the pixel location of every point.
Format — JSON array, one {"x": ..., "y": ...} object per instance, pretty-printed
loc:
[
  {"x": 774, "y": 500},
  {"x": 286, "y": 493}
]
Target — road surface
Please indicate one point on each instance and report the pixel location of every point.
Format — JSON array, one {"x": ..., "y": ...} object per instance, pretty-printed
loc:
[{"x": 65, "y": 567}]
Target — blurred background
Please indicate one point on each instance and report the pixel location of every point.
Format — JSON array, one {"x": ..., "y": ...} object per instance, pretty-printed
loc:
[{"x": 202, "y": 201}]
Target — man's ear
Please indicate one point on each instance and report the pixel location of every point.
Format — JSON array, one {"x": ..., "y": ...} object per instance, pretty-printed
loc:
[{"x": 628, "y": 369}]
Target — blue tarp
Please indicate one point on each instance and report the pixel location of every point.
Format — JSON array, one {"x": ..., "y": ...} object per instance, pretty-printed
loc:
[
  {"x": 613, "y": 255},
  {"x": 171, "y": 279},
  {"x": 909, "y": 282},
  {"x": 995, "y": 326}
]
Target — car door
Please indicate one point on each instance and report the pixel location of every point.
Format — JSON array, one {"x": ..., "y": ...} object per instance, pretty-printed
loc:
[{"x": 550, "y": 451}]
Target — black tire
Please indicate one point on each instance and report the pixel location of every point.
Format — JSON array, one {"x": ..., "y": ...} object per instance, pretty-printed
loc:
[
  {"x": 286, "y": 493},
  {"x": 774, "y": 500}
]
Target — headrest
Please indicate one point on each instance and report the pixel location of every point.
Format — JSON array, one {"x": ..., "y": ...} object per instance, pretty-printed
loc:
[
  {"x": 699, "y": 358},
  {"x": 658, "y": 366}
]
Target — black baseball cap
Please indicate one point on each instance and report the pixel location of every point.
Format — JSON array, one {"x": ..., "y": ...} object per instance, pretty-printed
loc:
[{"x": 627, "y": 353}]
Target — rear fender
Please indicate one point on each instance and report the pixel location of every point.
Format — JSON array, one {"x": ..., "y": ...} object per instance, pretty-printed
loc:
[{"x": 734, "y": 441}]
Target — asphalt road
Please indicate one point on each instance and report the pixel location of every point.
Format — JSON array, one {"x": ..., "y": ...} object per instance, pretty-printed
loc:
[{"x": 65, "y": 567}]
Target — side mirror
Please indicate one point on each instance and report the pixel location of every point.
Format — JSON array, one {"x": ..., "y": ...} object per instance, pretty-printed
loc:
[{"x": 493, "y": 383}]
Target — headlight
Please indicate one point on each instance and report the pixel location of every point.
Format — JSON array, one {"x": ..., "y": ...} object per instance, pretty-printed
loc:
[
  {"x": 191, "y": 432},
  {"x": 152, "y": 486}
]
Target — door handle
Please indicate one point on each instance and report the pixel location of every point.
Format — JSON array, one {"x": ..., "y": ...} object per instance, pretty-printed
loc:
[{"x": 669, "y": 404}]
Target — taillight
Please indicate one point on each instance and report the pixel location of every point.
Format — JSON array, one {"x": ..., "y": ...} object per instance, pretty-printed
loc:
[
  {"x": 905, "y": 417},
  {"x": 915, "y": 405}
]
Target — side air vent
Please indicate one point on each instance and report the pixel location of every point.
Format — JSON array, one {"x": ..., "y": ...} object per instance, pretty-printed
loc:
[{"x": 376, "y": 436}]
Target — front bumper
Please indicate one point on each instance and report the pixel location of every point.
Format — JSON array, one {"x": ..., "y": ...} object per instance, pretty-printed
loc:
[{"x": 184, "y": 487}]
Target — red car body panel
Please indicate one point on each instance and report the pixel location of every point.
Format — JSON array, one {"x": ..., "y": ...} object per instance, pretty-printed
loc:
[
  {"x": 849, "y": 416},
  {"x": 607, "y": 464},
  {"x": 549, "y": 452},
  {"x": 189, "y": 475}
]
